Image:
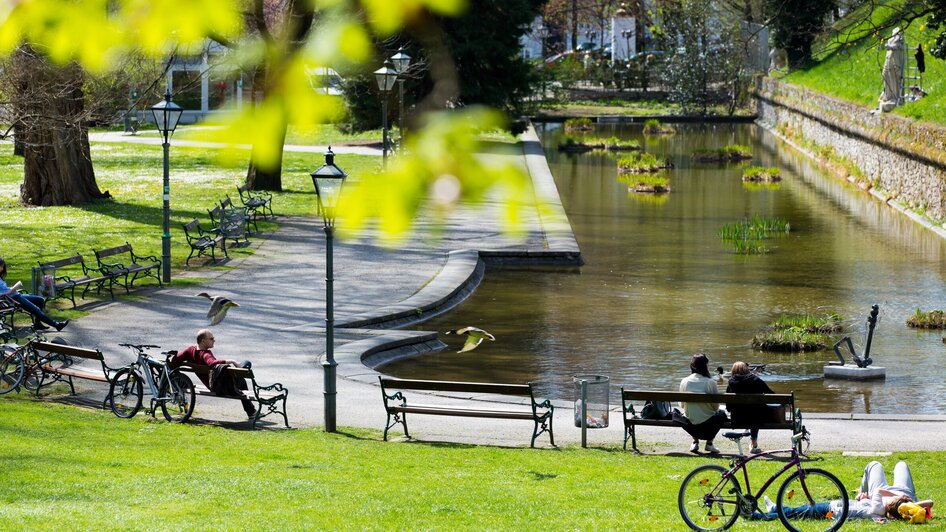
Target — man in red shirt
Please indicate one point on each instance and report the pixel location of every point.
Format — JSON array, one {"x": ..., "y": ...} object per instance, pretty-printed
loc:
[{"x": 200, "y": 354}]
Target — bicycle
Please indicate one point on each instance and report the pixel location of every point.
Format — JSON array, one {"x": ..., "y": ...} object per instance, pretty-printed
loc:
[
  {"x": 20, "y": 365},
  {"x": 171, "y": 390},
  {"x": 711, "y": 498}
]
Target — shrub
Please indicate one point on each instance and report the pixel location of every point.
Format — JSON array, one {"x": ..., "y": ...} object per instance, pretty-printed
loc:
[
  {"x": 759, "y": 174},
  {"x": 934, "y": 319}
]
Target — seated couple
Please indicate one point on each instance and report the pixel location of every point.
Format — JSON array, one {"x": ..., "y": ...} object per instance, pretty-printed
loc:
[{"x": 702, "y": 421}]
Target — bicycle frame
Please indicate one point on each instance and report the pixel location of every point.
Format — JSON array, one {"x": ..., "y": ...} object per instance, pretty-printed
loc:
[
  {"x": 154, "y": 372},
  {"x": 740, "y": 464}
]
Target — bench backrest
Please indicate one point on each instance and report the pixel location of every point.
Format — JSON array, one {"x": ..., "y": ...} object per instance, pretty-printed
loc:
[
  {"x": 80, "y": 352},
  {"x": 226, "y": 203},
  {"x": 215, "y": 214},
  {"x": 75, "y": 259},
  {"x": 454, "y": 386},
  {"x": 192, "y": 226},
  {"x": 690, "y": 397},
  {"x": 101, "y": 253}
]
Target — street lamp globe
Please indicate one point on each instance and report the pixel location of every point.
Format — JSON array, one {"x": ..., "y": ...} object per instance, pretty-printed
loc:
[
  {"x": 386, "y": 76},
  {"x": 401, "y": 61},
  {"x": 166, "y": 115},
  {"x": 328, "y": 181}
]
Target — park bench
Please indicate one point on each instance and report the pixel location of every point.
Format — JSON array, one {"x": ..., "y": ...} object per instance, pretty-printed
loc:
[
  {"x": 201, "y": 240},
  {"x": 62, "y": 363},
  {"x": 397, "y": 407},
  {"x": 65, "y": 285},
  {"x": 632, "y": 417},
  {"x": 139, "y": 265},
  {"x": 272, "y": 397},
  {"x": 232, "y": 224},
  {"x": 256, "y": 204},
  {"x": 227, "y": 203}
]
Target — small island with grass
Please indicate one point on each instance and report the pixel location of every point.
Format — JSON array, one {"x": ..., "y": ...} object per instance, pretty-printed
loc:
[
  {"x": 652, "y": 126},
  {"x": 761, "y": 174},
  {"x": 647, "y": 183},
  {"x": 577, "y": 124},
  {"x": 747, "y": 235},
  {"x": 796, "y": 333},
  {"x": 581, "y": 145},
  {"x": 642, "y": 163},
  {"x": 934, "y": 319},
  {"x": 727, "y": 154}
]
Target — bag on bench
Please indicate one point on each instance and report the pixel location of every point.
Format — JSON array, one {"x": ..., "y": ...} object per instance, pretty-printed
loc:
[
  {"x": 656, "y": 410},
  {"x": 222, "y": 382}
]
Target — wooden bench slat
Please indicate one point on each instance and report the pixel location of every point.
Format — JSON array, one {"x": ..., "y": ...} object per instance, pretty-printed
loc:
[
  {"x": 462, "y": 412},
  {"x": 261, "y": 395},
  {"x": 731, "y": 398},
  {"x": 73, "y": 351},
  {"x": 458, "y": 386}
]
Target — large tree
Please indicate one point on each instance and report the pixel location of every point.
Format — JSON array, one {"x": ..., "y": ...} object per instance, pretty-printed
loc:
[
  {"x": 796, "y": 23},
  {"x": 48, "y": 109}
]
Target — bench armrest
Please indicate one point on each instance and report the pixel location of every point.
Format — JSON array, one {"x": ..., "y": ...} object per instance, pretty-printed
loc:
[
  {"x": 136, "y": 258},
  {"x": 396, "y": 396},
  {"x": 110, "y": 266},
  {"x": 275, "y": 387}
]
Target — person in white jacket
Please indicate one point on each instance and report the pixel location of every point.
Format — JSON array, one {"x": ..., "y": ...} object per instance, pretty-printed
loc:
[{"x": 702, "y": 420}]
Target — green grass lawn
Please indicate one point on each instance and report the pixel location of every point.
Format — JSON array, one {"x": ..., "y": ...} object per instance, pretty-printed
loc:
[
  {"x": 73, "y": 468},
  {"x": 132, "y": 173},
  {"x": 854, "y": 73}
]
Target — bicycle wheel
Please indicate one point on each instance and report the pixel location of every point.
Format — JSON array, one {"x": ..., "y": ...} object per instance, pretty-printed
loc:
[
  {"x": 34, "y": 374},
  {"x": 125, "y": 393},
  {"x": 810, "y": 500},
  {"x": 707, "y": 501},
  {"x": 179, "y": 408},
  {"x": 11, "y": 370}
]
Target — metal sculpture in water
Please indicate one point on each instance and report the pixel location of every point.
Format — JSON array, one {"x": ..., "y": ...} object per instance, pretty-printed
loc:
[{"x": 865, "y": 360}]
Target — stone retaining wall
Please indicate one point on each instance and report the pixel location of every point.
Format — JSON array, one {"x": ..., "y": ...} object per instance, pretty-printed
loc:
[{"x": 903, "y": 160}]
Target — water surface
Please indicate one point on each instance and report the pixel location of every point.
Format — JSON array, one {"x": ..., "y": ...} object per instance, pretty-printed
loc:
[{"x": 659, "y": 285}]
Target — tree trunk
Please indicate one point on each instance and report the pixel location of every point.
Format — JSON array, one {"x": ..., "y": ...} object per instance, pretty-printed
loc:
[
  {"x": 50, "y": 106},
  {"x": 266, "y": 178}
]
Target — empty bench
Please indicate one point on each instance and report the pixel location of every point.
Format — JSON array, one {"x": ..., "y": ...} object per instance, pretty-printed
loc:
[
  {"x": 397, "y": 406},
  {"x": 632, "y": 419},
  {"x": 121, "y": 261},
  {"x": 272, "y": 397},
  {"x": 63, "y": 363},
  {"x": 65, "y": 285},
  {"x": 202, "y": 240},
  {"x": 256, "y": 203}
]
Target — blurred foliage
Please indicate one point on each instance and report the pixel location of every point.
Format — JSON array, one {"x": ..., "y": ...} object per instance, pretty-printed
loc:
[{"x": 97, "y": 34}]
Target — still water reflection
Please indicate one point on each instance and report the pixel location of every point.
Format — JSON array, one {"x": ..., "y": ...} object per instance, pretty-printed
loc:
[{"x": 658, "y": 285}]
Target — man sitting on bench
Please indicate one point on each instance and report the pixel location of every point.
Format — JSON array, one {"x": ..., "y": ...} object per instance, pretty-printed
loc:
[
  {"x": 30, "y": 303},
  {"x": 201, "y": 354}
]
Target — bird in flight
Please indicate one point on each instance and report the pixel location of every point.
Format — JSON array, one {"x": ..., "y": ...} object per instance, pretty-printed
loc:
[
  {"x": 219, "y": 306},
  {"x": 474, "y": 337}
]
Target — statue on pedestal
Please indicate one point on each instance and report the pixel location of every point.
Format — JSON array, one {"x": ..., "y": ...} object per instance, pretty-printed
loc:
[{"x": 893, "y": 71}]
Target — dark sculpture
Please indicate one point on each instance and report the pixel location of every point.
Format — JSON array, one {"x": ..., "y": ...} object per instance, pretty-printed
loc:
[{"x": 862, "y": 362}]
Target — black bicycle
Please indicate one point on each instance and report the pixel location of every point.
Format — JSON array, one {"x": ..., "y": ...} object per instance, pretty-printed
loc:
[{"x": 171, "y": 390}]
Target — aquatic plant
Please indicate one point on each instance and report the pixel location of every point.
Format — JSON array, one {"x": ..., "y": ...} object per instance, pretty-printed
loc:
[
  {"x": 641, "y": 162},
  {"x": 652, "y": 126},
  {"x": 654, "y": 183},
  {"x": 578, "y": 124},
  {"x": 746, "y": 235},
  {"x": 934, "y": 319},
  {"x": 792, "y": 340},
  {"x": 760, "y": 174},
  {"x": 572, "y": 143},
  {"x": 728, "y": 153},
  {"x": 813, "y": 323}
]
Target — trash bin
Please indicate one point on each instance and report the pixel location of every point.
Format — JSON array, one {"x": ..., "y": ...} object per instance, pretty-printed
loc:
[{"x": 591, "y": 400}]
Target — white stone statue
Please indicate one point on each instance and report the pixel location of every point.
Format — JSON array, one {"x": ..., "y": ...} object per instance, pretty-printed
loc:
[{"x": 893, "y": 71}]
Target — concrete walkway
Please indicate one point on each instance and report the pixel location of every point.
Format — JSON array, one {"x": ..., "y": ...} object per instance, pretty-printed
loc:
[{"x": 280, "y": 327}]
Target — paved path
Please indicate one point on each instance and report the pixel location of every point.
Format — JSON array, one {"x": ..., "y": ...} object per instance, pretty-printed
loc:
[{"x": 280, "y": 326}]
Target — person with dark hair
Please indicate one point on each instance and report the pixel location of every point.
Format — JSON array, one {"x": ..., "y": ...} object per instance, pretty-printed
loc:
[
  {"x": 877, "y": 500},
  {"x": 202, "y": 355},
  {"x": 745, "y": 381},
  {"x": 30, "y": 303},
  {"x": 702, "y": 421}
]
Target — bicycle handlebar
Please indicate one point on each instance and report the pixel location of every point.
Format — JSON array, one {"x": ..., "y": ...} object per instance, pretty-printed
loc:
[{"x": 140, "y": 347}]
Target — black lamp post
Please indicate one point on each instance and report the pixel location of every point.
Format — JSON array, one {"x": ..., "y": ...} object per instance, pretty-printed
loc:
[
  {"x": 328, "y": 181},
  {"x": 386, "y": 77},
  {"x": 166, "y": 116},
  {"x": 401, "y": 62}
]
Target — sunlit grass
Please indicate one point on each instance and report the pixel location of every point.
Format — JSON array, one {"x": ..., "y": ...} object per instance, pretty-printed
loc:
[
  {"x": 933, "y": 319},
  {"x": 69, "y": 468}
]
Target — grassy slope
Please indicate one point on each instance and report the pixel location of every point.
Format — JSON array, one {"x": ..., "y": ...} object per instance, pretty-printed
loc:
[
  {"x": 854, "y": 73},
  {"x": 132, "y": 174},
  {"x": 92, "y": 471}
]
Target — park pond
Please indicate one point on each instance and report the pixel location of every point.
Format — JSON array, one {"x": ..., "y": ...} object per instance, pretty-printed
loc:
[{"x": 659, "y": 284}]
